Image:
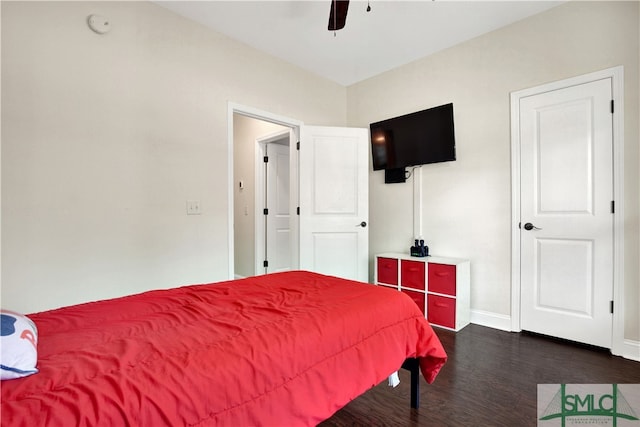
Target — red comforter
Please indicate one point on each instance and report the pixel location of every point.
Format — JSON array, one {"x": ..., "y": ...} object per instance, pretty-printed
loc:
[{"x": 283, "y": 349}]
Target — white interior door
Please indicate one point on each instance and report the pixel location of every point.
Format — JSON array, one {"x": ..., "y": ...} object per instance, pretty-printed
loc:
[
  {"x": 278, "y": 226},
  {"x": 566, "y": 214},
  {"x": 334, "y": 211}
]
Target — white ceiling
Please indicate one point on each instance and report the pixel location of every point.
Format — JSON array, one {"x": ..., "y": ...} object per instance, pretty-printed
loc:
[{"x": 394, "y": 33}]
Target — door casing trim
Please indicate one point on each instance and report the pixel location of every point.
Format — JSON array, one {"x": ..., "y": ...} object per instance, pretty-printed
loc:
[{"x": 617, "y": 77}]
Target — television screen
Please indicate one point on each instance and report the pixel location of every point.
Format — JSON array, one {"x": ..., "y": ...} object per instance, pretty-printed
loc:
[{"x": 418, "y": 138}]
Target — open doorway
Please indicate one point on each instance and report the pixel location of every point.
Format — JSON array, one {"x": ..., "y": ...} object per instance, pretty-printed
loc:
[
  {"x": 262, "y": 243},
  {"x": 329, "y": 196}
]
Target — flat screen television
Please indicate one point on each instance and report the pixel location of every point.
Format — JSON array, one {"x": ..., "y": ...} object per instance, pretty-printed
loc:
[{"x": 418, "y": 138}]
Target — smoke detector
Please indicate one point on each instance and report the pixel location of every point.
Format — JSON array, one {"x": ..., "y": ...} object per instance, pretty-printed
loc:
[{"x": 99, "y": 24}]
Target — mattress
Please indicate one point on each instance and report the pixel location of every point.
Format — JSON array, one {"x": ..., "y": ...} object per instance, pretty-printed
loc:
[{"x": 280, "y": 349}]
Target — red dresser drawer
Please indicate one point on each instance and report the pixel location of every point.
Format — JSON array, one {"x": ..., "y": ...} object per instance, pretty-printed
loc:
[
  {"x": 441, "y": 311},
  {"x": 412, "y": 274},
  {"x": 417, "y": 297},
  {"x": 442, "y": 279},
  {"x": 388, "y": 271}
]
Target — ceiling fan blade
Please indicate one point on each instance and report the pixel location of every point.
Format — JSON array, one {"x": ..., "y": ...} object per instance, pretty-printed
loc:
[{"x": 338, "y": 14}]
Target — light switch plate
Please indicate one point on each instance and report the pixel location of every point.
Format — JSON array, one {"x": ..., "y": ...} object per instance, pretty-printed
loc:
[{"x": 193, "y": 207}]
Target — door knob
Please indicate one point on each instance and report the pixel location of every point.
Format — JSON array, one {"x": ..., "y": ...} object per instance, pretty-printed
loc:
[
  {"x": 528, "y": 226},
  {"x": 362, "y": 224}
]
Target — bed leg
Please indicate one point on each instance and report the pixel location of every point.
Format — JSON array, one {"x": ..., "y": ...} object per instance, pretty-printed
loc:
[{"x": 413, "y": 366}]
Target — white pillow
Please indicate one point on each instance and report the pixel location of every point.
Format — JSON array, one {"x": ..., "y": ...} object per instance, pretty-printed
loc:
[{"x": 19, "y": 342}]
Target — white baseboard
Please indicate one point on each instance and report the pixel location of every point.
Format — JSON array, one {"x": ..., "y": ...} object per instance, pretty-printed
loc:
[
  {"x": 491, "y": 320},
  {"x": 631, "y": 349}
]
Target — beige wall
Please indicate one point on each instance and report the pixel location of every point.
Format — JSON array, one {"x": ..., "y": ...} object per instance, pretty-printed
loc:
[
  {"x": 467, "y": 203},
  {"x": 104, "y": 138}
]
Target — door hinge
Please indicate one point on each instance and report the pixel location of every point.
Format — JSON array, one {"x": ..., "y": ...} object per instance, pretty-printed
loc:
[
  {"x": 613, "y": 206},
  {"x": 612, "y": 107},
  {"x": 298, "y": 210},
  {"x": 265, "y": 211},
  {"x": 266, "y": 159},
  {"x": 611, "y": 306},
  {"x": 298, "y": 145},
  {"x": 265, "y": 263}
]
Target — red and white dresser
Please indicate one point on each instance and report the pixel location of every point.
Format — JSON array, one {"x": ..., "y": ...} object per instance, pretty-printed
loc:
[{"x": 439, "y": 286}]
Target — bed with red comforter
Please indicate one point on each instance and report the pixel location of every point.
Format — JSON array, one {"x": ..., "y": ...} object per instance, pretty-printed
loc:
[{"x": 281, "y": 349}]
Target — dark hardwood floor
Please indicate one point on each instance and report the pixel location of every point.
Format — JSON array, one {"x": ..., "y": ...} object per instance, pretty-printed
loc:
[{"x": 490, "y": 379}]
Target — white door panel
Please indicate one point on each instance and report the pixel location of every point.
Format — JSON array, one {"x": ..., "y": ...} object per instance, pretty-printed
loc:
[
  {"x": 566, "y": 193},
  {"x": 565, "y": 282},
  {"x": 565, "y": 152},
  {"x": 331, "y": 249},
  {"x": 278, "y": 251},
  {"x": 334, "y": 201},
  {"x": 335, "y": 179}
]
